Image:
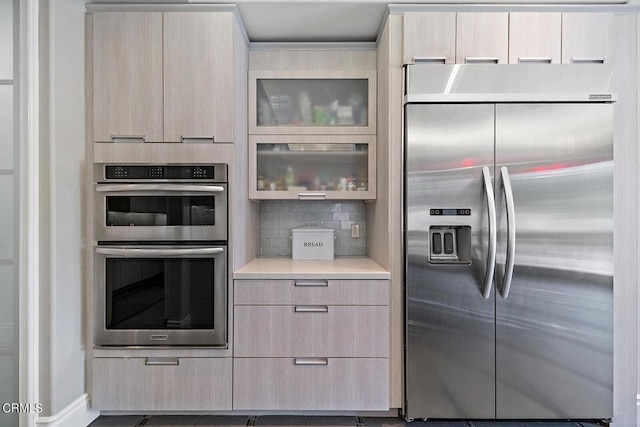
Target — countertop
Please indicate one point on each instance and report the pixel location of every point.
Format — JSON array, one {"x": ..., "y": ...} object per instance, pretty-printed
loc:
[{"x": 287, "y": 268}]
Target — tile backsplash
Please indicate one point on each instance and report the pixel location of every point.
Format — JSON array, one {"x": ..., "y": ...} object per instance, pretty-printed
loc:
[{"x": 278, "y": 218}]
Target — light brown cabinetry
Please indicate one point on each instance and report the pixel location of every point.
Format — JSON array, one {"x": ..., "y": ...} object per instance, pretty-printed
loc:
[
  {"x": 163, "y": 77},
  {"x": 127, "y": 73},
  {"x": 162, "y": 383},
  {"x": 300, "y": 346},
  {"x": 482, "y": 37},
  {"x": 429, "y": 37},
  {"x": 587, "y": 37},
  {"x": 534, "y": 37}
]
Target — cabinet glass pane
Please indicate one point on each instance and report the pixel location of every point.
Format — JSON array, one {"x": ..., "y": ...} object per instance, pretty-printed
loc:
[
  {"x": 312, "y": 102},
  {"x": 312, "y": 167},
  {"x": 6, "y": 39},
  {"x": 6, "y": 126}
]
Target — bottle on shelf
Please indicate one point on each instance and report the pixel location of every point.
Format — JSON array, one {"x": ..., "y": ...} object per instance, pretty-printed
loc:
[{"x": 289, "y": 178}]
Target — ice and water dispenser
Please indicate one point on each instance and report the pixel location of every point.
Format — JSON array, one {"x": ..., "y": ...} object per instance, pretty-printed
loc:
[{"x": 450, "y": 244}]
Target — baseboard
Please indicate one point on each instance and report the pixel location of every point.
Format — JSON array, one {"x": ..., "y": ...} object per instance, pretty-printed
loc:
[{"x": 77, "y": 414}]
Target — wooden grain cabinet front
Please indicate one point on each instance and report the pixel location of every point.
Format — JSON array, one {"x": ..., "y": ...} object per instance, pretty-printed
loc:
[
  {"x": 160, "y": 383},
  {"x": 310, "y": 344},
  {"x": 163, "y": 77}
]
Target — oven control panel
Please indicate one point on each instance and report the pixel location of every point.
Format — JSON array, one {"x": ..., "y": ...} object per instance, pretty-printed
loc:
[{"x": 215, "y": 172}]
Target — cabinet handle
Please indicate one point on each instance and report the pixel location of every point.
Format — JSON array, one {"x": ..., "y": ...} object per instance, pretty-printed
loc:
[
  {"x": 162, "y": 361},
  {"x": 311, "y": 361},
  {"x": 128, "y": 138},
  {"x": 480, "y": 60},
  {"x": 187, "y": 139},
  {"x": 311, "y": 283},
  {"x": 311, "y": 309},
  {"x": 587, "y": 60},
  {"x": 312, "y": 196},
  {"x": 429, "y": 59},
  {"x": 534, "y": 60}
]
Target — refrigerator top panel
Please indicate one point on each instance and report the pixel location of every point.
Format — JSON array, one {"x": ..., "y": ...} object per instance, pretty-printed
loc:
[{"x": 462, "y": 83}]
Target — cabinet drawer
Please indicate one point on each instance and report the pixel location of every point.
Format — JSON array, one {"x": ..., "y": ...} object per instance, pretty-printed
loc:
[
  {"x": 290, "y": 384},
  {"x": 304, "y": 331},
  {"x": 329, "y": 292},
  {"x": 162, "y": 383}
]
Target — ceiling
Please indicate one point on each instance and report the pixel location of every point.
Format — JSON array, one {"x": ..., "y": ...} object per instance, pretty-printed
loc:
[{"x": 331, "y": 20}]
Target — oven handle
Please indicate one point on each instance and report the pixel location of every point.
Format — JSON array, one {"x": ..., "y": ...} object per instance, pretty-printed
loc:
[
  {"x": 113, "y": 188},
  {"x": 158, "y": 252}
]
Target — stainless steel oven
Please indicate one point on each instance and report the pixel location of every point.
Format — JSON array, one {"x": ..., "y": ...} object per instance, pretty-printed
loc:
[
  {"x": 160, "y": 202},
  {"x": 160, "y": 264},
  {"x": 161, "y": 295}
]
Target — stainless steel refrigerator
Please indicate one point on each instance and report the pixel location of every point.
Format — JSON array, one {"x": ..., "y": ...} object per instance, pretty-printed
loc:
[{"x": 508, "y": 225}]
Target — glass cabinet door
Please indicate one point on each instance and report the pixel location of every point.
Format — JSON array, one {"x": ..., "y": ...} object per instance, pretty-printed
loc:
[
  {"x": 306, "y": 105},
  {"x": 300, "y": 167}
]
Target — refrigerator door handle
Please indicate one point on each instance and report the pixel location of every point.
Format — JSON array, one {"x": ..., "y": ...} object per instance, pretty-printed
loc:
[
  {"x": 511, "y": 232},
  {"x": 491, "y": 252}
]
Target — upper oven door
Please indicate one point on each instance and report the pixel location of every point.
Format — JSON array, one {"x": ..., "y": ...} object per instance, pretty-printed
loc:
[{"x": 161, "y": 212}]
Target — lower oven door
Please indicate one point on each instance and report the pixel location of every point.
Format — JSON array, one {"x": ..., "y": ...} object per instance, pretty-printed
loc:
[
  {"x": 166, "y": 212},
  {"x": 160, "y": 295}
]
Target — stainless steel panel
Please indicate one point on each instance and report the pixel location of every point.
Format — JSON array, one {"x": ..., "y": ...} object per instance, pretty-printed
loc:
[
  {"x": 554, "y": 348},
  {"x": 450, "y": 360},
  {"x": 450, "y": 83}
]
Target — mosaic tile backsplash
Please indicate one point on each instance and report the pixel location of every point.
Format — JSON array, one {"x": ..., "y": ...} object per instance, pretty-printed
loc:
[{"x": 278, "y": 218}]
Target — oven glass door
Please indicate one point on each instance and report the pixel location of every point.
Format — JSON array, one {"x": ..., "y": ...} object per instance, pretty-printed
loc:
[
  {"x": 161, "y": 295},
  {"x": 167, "y": 212}
]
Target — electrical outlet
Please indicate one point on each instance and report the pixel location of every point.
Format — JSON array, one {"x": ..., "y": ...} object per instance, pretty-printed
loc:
[{"x": 355, "y": 231}]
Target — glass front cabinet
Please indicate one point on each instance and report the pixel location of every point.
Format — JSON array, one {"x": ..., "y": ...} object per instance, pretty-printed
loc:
[
  {"x": 312, "y": 135},
  {"x": 300, "y": 102},
  {"x": 312, "y": 167}
]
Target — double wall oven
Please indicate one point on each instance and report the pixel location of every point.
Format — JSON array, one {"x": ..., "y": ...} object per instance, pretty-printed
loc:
[{"x": 161, "y": 256}]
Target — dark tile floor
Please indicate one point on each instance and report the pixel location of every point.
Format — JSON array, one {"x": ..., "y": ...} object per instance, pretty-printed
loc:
[{"x": 303, "y": 421}]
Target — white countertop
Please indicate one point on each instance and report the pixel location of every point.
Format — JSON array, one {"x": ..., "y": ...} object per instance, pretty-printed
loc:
[{"x": 286, "y": 268}]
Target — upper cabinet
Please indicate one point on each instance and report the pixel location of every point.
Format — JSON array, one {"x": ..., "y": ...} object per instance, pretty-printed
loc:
[
  {"x": 127, "y": 73},
  {"x": 587, "y": 37},
  {"x": 163, "y": 77},
  {"x": 482, "y": 38},
  {"x": 429, "y": 37},
  {"x": 311, "y": 102},
  {"x": 534, "y": 37},
  {"x": 507, "y": 37}
]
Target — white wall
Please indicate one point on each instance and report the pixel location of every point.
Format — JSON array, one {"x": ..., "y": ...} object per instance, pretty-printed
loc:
[{"x": 63, "y": 158}]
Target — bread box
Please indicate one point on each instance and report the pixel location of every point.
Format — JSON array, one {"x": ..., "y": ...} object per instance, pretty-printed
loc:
[{"x": 312, "y": 243}]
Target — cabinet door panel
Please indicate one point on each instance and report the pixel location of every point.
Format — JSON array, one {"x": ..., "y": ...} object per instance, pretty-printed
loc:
[
  {"x": 288, "y": 292},
  {"x": 429, "y": 35},
  {"x": 127, "y": 66},
  {"x": 198, "y": 76},
  {"x": 482, "y": 35},
  {"x": 534, "y": 35},
  {"x": 134, "y": 384},
  {"x": 587, "y": 36},
  {"x": 289, "y": 384},
  {"x": 306, "y": 331}
]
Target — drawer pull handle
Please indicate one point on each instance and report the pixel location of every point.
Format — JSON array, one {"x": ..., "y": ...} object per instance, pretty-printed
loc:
[
  {"x": 187, "y": 139},
  {"x": 480, "y": 60},
  {"x": 429, "y": 59},
  {"x": 311, "y": 308},
  {"x": 311, "y": 361},
  {"x": 587, "y": 60},
  {"x": 162, "y": 361},
  {"x": 312, "y": 283},
  {"x": 312, "y": 196},
  {"x": 128, "y": 138},
  {"x": 534, "y": 60}
]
